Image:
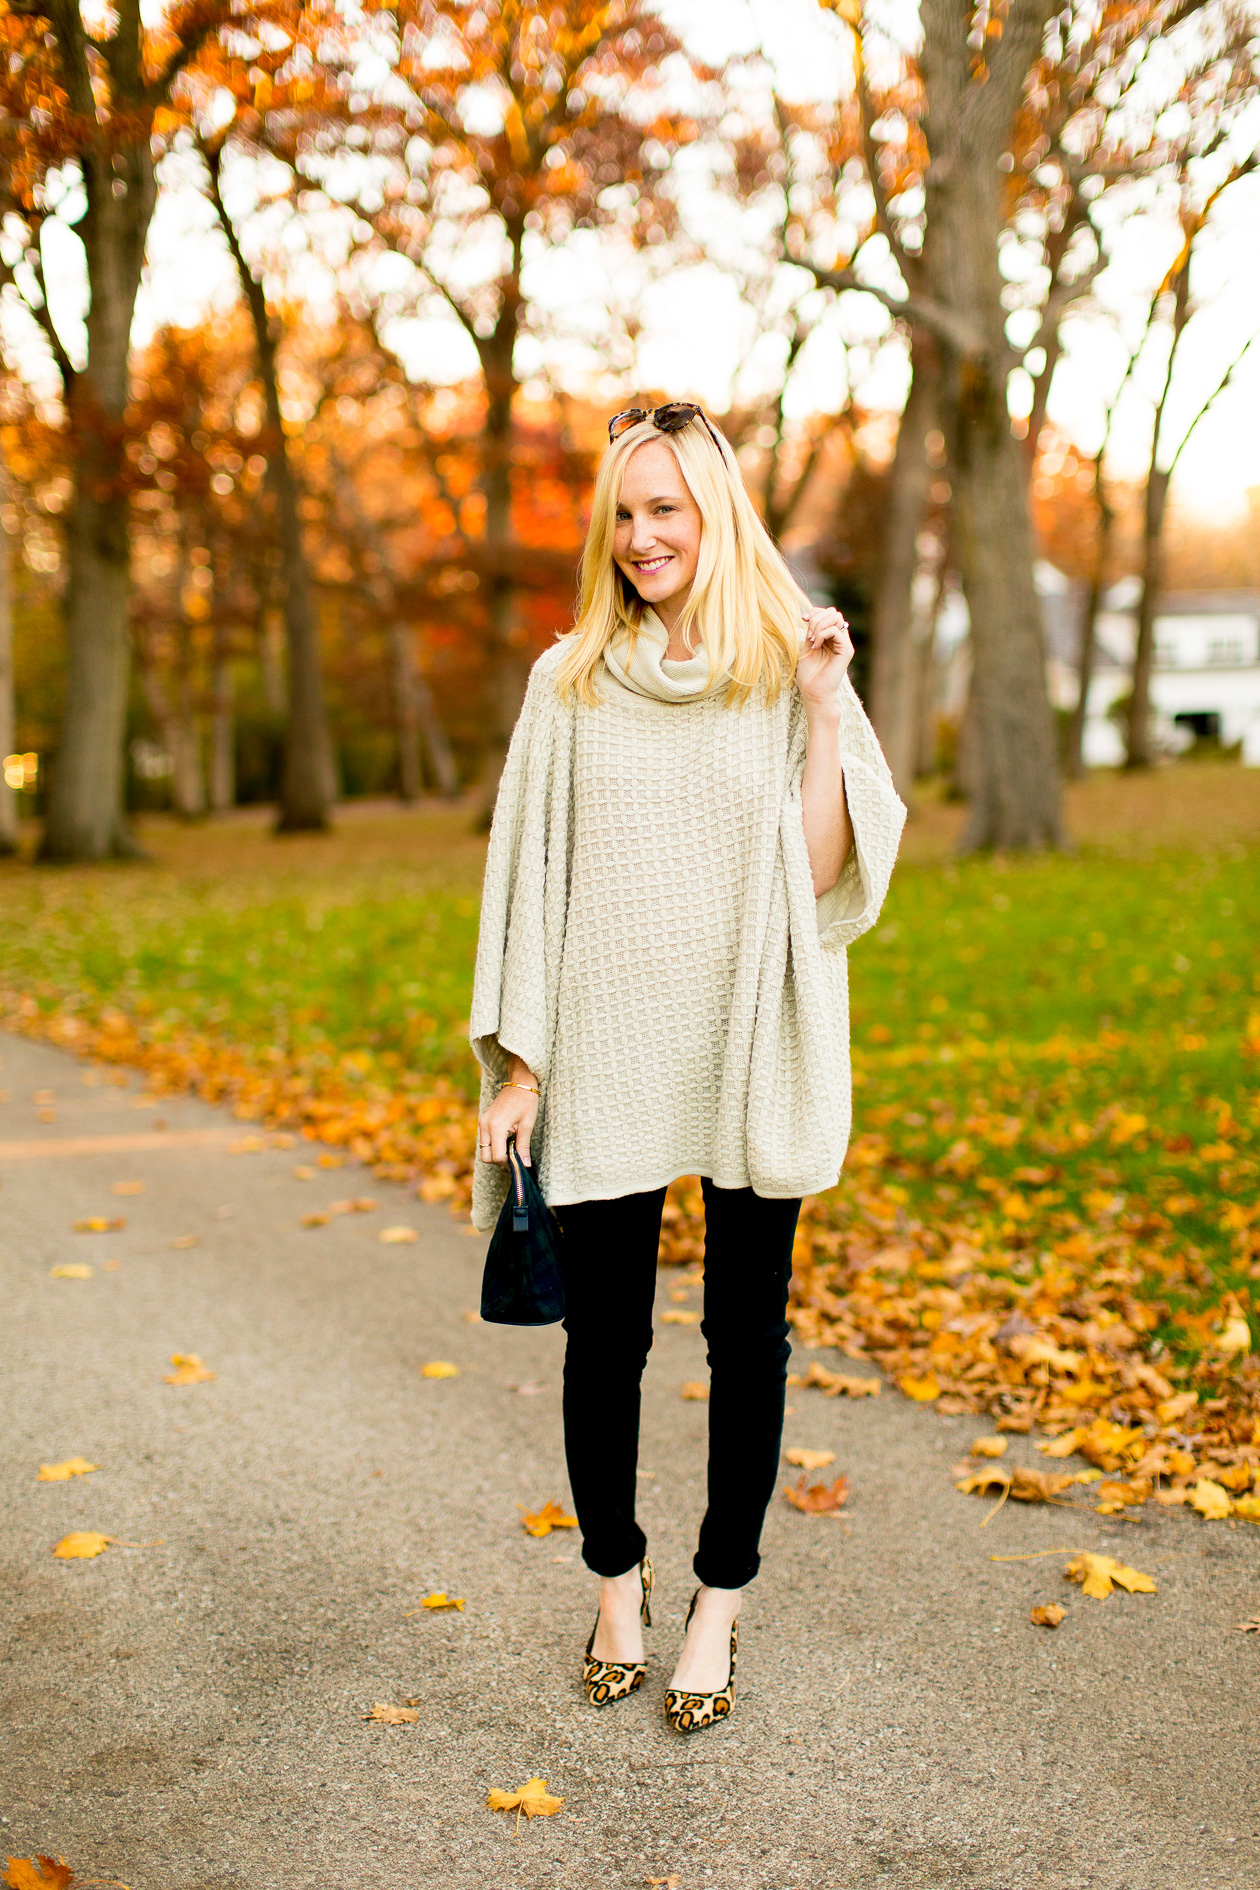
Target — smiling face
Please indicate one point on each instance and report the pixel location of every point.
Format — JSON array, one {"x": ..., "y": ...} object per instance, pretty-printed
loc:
[{"x": 656, "y": 544}]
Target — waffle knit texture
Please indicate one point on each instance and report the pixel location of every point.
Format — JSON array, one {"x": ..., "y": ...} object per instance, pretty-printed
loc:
[{"x": 651, "y": 945}]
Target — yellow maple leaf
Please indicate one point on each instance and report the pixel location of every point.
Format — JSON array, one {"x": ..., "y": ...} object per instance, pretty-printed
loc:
[
  {"x": 834, "y": 1384},
  {"x": 397, "y": 1236},
  {"x": 1097, "y": 1575},
  {"x": 922, "y": 1390},
  {"x": 680, "y": 1318},
  {"x": 98, "y": 1224},
  {"x": 695, "y": 1391},
  {"x": 1061, "y": 1446},
  {"x": 62, "y": 1472},
  {"x": 439, "y": 1600},
  {"x": 38, "y": 1873},
  {"x": 1248, "y": 1507},
  {"x": 1210, "y": 1500},
  {"x": 393, "y": 1715},
  {"x": 531, "y": 1800},
  {"x": 549, "y": 1517},
  {"x": 989, "y": 1447},
  {"x": 72, "y": 1272},
  {"x": 439, "y": 1368},
  {"x": 809, "y": 1459},
  {"x": 189, "y": 1370},
  {"x": 983, "y": 1482},
  {"x": 1235, "y": 1338},
  {"x": 1049, "y": 1614},
  {"x": 82, "y": 1546}
]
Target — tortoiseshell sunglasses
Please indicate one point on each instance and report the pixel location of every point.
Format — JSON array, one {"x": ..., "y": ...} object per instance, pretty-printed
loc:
[{"x": 671, "y": 418}]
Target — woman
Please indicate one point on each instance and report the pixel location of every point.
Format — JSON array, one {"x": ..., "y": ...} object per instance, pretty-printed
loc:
[{"x": 694, "y": 820}]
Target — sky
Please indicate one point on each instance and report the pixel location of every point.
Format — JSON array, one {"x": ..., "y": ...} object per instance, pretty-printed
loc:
[{"x": 695, "y": 337}]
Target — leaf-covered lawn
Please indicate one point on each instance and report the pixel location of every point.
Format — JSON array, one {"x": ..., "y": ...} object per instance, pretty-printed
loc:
[{"x": 1050, "y": 1206}]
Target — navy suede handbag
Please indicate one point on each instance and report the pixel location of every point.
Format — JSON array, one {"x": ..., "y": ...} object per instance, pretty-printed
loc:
[{"x": 523, "y": 1284}]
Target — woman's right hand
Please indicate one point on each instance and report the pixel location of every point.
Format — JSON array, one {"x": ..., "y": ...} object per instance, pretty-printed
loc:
[{"x": 513, "y": 1111}]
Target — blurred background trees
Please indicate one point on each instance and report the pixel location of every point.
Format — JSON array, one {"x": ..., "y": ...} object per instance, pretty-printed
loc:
[{"x": 291, "y": 505}]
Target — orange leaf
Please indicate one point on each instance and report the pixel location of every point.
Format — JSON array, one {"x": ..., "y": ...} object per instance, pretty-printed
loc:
[
  {"x": 695, "y": 1391},
  {"x": 97, "y": 1224},
  {"x": 922, "y": 1390},
  {"x": 82, "y": 1546},
  {"x": 1048, "y": 1615},
  {"x": 809, "y": 1459},
  {"x": 189, "y": 1370},
  {"x": 43, "y": 1873},
  {"x": 393, "y": 1715},
  {"x": 818, "y": 1500},
  {"x": 549, "y": 1517},
  {"x": 62, "y": 1472}
]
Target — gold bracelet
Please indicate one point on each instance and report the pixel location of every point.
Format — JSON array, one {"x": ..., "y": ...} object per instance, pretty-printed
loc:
[{"x": 527, "y": 1087}]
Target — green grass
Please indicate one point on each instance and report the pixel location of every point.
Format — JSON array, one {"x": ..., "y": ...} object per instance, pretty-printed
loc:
[{"x": 1038, "y": 1042}]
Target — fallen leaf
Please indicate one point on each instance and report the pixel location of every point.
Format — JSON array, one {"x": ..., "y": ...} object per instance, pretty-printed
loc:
[
  {"x": 471, "y": 1317},
  {"x": 248, "y": 1145},
  {"x": 303, "y": 1172},
  {"x": 983, "y": 1482},
  {"x": 437, "y": 1601},
  {"x": 1250, "y": 1627},
  {"x": 1122, "y": 1494},
  {"x": 397, "y": 1236},
  {"x": 809, "y": 1459},
  {"x": 1097, "y": 1575},
  {"x": 533, "y": 1800},
  {"x": 818, "y": 1500},
  {"x": 695, "y": 1391},
  {"x": 1210, "y": 1500},
  {"x": 835, "y": 1384},
  {"x": 666, "y": 1883},
  {"x": 182, "y": 1242},
  {"x": 127, "y": 1187},
  {"x": 1235, "y": 1339},
  {"x": 62, "y": 1472},
  {"x": 112, "y": 1266},
  {"x": 549, "y": 1517},
  {"x": 1088, "y": 1476},
  {"x": 989, "y": 1447},
  {"x": 43, "y": 1873},
  {"x": 528, "y": 1390},
  {"x": 189, "y": 1370},
  {"x": 315, "y": 1220},
  {"x": 922, "y": 1390},
  {"x": 393, "y": 1715},
  {"x": 680, "y": 1318},
  {"x": 99, "y": 1224},
  {"x": 1038, "y": 1486},
  {"x": 439, "y": 1368},
  {"x": 332, "y": 1161},
  {"x": 1049, "y": 1614},
  {"x": 82, "y": 1546},
  {"x": 74, "y": 1272},
  {"x": 1248, "y": 1507}
]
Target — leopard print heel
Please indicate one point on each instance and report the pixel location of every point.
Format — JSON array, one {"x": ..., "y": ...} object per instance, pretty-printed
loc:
[
  {"x": 609, "y": 1680},
  {"x": 692, "y": 1712}
]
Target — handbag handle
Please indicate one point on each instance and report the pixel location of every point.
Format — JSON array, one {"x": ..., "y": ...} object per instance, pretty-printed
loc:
[{"x": 520, "y": 1207}]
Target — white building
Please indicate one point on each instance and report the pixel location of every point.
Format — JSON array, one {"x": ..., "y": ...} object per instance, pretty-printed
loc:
[{"x": 1205, "y": 681}]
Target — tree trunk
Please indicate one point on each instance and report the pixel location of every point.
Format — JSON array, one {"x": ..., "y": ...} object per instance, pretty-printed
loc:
[
  {"x": 967, "y": 126},
  {"x": 271, "y": 656},
  {"x": 1139, "y": 720},
  {"x": 925, "y": 680},
  {"x": 8, "y": 714},
  {"x": 436, "y": 746},
  {"x": 222, "y": 738},
  {"x": 307, "y": 785},
  {"x": 1075, "y": 762},
  {"x": 508, "y": 653},
  {"x": 85, "y": 804},
  {"x": 892, "y": 652},
  {"x": 410, "y": 774}
]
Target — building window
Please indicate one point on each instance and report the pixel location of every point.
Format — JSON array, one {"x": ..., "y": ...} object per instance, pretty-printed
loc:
[
  {"x": 1225, "y": 650},
  {"x": 1166, "y": 656}
]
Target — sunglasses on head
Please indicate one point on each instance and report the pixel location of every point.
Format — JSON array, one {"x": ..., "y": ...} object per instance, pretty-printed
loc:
[{"x": 671, "y": 418}]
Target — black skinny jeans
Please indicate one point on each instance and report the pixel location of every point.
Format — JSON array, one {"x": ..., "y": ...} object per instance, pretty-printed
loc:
[{"x": 610, "y": 1250}]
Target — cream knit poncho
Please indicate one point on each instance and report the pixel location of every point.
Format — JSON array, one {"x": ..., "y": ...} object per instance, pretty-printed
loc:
[{"x": 650, "y": 941}]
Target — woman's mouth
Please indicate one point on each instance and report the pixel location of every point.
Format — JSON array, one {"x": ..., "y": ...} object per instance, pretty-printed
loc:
[{"x": 646, "y": 566}]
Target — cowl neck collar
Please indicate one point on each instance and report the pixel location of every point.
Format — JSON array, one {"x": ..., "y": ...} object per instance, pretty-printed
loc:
[{"x": 640, "y": 664}]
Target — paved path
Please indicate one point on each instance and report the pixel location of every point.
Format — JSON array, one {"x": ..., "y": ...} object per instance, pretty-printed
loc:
[{"x": 187, "y": 1717}]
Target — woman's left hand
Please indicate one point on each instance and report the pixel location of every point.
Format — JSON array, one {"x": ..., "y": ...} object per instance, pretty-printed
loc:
[{"x": 825, "y": 659}]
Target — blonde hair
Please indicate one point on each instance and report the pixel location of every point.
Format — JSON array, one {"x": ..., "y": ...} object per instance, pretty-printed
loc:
[{"x": 744, "y": 601}]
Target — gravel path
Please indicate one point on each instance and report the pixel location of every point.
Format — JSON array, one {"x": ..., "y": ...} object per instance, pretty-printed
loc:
[{"x": 188, "y": 1716}]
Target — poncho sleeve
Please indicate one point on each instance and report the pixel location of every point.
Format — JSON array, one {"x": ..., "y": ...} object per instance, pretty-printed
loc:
[
  {"x": 877, "y": 814},
  {"x": 524, "y": 900}
]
